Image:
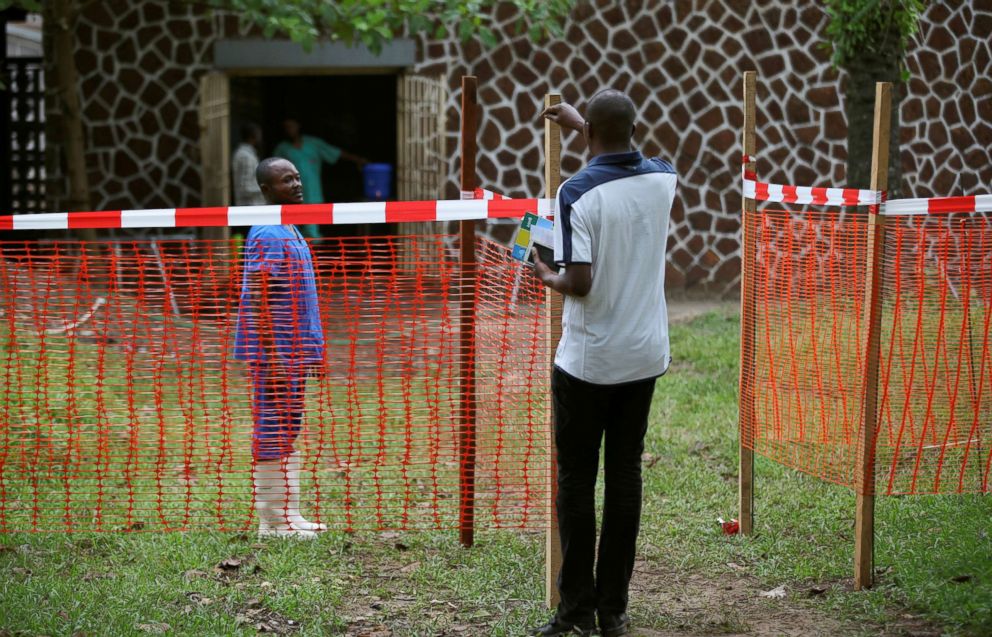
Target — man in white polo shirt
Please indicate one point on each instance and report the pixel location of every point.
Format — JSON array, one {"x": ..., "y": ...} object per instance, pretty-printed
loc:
[{"x": 611, "y": 232}]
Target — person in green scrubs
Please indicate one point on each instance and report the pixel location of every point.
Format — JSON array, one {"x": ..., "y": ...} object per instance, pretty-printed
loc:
[{"x": 308, "y": 154}]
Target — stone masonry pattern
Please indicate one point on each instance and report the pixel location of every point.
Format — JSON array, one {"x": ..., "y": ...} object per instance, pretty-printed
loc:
[
  {"x": 139, "y": 67},
  {"x": 681, "y": 62}
]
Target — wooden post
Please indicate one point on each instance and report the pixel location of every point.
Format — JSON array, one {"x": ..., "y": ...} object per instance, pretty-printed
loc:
[
  {"x": 215, "y": 152},
  {"x": 864, "y": 525},
  {"x": 215, "y": 155},
  {"x": 746, "y": 416},
  {"x": 466, "y": 509},
  {"x": 553, "y": 305}
]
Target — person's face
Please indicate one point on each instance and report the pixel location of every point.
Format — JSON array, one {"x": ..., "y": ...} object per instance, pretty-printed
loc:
[
  {"x": 292, "y": 128},
  {"x": 284, "y": 185}
]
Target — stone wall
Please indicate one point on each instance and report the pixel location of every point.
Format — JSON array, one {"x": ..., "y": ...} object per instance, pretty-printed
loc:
[
  {"x": 947, "y": 113},
  {"x": 682, "y": 62},
  {"x": 139, "y": 67}
]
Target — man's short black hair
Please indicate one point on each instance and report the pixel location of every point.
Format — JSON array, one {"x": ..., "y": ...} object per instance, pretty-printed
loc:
[
  {"x": 263, "y": 172},
  {"x": 611, "y": 115},
  {"x": 249, "y": 131}
]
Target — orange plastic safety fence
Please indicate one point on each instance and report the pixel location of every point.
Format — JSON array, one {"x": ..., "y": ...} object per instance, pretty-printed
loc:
[
  {"x": 806, "y": 374},
  {"x": 935, "y": 433},
  {"x": 141, "y": 382}
]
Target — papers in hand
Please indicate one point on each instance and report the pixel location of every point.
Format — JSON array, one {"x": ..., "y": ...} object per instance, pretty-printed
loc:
[{"x": 534, "y": 232}]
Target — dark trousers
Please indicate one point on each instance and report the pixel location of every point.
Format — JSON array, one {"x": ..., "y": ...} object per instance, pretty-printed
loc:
[{"x": 585, "y": 414}]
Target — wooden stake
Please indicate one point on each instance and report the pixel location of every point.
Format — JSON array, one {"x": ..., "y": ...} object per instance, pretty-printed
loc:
[
  {"x": 553, "y": 303},
  {"x": 746, "y": 417},
  {"x": 466, "y": 509},
  {"x": 215, "y": 145},
  {"x": 864, "y": 527}
]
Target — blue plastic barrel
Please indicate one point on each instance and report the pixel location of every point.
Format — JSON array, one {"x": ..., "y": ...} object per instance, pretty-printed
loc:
[{"x": 378, "y": 181}]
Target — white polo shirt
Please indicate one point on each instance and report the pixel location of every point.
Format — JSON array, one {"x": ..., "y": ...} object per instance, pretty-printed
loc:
[{"x": 614, "y": 215}]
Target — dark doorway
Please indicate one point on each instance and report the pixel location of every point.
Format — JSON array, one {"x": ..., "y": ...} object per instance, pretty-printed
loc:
[{"x": 356, "y": 113}]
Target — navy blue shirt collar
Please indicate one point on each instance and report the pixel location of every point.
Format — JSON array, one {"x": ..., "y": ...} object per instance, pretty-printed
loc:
[{"x": 632, "y": 157}]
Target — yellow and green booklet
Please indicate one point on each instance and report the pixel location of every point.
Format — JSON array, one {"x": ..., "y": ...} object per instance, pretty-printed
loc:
[{"x": 534, "y": 232}]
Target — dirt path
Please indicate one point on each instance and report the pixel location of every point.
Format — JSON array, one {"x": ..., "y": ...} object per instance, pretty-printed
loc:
[
  {"x": 692, "y": 604},
  {"x": 669, "y": 603},
  {"x": 729, "y": 605},
  {"x": 732, "y": 605},
  {"x": 681, "y": 310}
]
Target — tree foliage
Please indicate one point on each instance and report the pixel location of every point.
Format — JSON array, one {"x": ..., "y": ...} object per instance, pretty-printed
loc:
[
  {"x": 872, "y": 29},
  {"x": 869, "y": 40},
  {"x": 27, "y": 5},
  {"x": 375, "y": 22}
]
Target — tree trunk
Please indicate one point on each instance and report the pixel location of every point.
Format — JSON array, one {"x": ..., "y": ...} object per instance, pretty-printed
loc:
[
  {"x": 66, "y": 146},
  {"x": 62, "y": 89},
  {"x": 859, "y": 107}
]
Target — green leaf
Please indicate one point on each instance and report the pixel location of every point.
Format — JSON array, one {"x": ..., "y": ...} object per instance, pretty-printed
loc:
[
  {"x": 487, "y": 36},
  {"x": 27, "y": 5},
  {"x": 375, "y": 22},
  {"x": 869, "y": 32}
]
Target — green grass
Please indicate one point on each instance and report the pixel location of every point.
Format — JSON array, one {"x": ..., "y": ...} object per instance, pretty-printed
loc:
[{"x": 424, "y": 584}]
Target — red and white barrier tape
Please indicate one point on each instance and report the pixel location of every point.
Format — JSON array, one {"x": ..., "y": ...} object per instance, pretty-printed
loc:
[
  {"x": 779, "y": 193},
  {"x": 806, "y": 195},
  {"x": 938, "y": 205},
  {"x": 340, "y": 213},
  {"x": 481, "y": 193}
]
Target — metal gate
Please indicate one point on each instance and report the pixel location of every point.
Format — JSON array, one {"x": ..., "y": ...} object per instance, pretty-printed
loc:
[
  {"x": 420, "y": 136},
  {"x": 22, "y": 189},
  {"x": 420, "y": 152}
]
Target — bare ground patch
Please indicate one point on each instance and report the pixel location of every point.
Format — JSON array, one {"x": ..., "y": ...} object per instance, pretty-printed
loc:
[
  {"x": 664, "y": 603},
  {"x": 668, "y": 603}
]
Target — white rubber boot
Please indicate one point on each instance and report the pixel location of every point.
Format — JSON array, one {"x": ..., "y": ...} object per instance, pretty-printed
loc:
[
  {"x": 272, "y": 494},
  {"x": 293, "y": 466}
]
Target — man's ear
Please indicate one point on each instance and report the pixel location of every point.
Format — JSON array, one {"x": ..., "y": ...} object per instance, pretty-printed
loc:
[
  {"x": 587, "y": 131},
  {"x": 264, "y": 188},
  {"x": 633, "y": 131}
]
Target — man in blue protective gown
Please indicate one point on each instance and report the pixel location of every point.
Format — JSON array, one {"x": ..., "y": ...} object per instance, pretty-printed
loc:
[{"x": 280, "y": 335}]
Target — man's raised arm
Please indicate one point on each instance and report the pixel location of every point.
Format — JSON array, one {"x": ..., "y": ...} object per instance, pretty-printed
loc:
[{"x": 565, "y": 116}]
